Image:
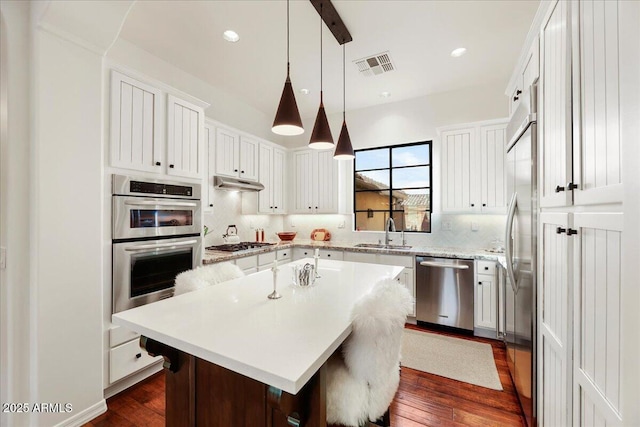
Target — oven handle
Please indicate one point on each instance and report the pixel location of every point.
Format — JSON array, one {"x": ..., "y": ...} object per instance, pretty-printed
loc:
[
  {"x": 158, "y": 203},
  {"x": 444, "y": 265},
  {"x": 160, "y": 246}
]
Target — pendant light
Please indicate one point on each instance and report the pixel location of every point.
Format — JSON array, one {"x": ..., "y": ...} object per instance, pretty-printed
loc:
[
  {"x": 287, "y": 121},
  {"x": 344, "y": 149},
  {"x": 321, "y": 138}
]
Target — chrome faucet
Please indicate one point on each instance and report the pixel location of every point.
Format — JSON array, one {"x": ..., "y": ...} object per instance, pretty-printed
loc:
[{"x": 389, "y": 225}]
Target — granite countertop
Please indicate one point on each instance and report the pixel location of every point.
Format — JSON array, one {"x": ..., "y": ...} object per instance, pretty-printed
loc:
[{"x": 211, "y": 257}]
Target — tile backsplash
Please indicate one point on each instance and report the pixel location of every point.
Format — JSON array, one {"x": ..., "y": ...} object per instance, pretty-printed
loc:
[
  {"x": 227, "y": 210},
  {"x": 488, "y": 228}
]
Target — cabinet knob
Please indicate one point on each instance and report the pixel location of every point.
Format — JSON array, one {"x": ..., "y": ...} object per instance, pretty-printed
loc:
[
  {"x": 328, "y": 255},
  {"x": 316, "y": 207},
  {"x": 309, "y": 207},
  {"x": 275, "y": 207},
  {"x": 270, "y": 207},
  {"x": 560, "y": 230},
  {"x": 559, "y": 189},
  {"x": 571, "y": 186},
  {"x": 171, "y": 166},
  {"x": 515, "y": 98},
  {"x": 486, "y": 268},
  {"x": 480, "y": 283},
  {"x": 473, "y": 204},
  {"x": 138, "y": 356},
  {"x": 235, "y": 170},
  {"x": 305, "y": 253},
  {"x": 518, "y": 92},
  {"x": 484, "y": 204},
  {"x": 571, "y": 232},
  {"x": 158, "y": 164},
  {"x": 210, "y": 205}
]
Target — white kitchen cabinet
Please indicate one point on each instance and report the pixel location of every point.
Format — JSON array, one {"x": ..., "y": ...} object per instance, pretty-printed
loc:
[
  {"x": 236, "y": 156},
  {"x": 146, "y": 136},
  {"x": 299, "y": 253},
  {"x": 473, "y": 167},
  {"x": 185, "y": 128},
  {"x": 486, "y": 296},
  {"x": 265, "y": 261},
  {"x": 600, "y": 380},
  {"x": 272, "y": 176},
  {"x": 128, "y": 358},
  {"x": 406, "y": 277},
  {"x": 248, "y": 264},
  {"x": 527, "y": 73},
  {"x": 209, "y": 189},
  {"x": 554, "y": 109},
  {"x": 554, "y": 319},
  {"x": 136, "y": 124},
  {"x": 587, "y": 314},
  {"x": 315, "y": 182}
]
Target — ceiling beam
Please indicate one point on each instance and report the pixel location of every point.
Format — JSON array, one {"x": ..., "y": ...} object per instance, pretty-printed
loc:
[{"x": 332, "y": 20}]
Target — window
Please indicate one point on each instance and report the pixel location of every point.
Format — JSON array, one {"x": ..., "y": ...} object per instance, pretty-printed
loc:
[{"x": 393, "y": 181}]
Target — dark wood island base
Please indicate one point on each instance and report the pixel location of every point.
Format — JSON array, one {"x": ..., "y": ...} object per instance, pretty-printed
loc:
[{"x": 200, "y": 393}]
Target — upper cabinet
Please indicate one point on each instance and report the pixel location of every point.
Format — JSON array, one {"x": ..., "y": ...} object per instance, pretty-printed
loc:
[
  {"x": 185, "y": 144},
  {"x": 151, "y": 136},
  {"x": 473, "y": 168},
  {"x": 272, "y": 176},
  {"x": 554, "y": 110},
  {"x": 136, "y": 120},
  {"x": 315, "y": 182},
  {"x": 526, "y": 75},
  {"x": 236, "y": 155},
  {"x": 580, "y": 120}
]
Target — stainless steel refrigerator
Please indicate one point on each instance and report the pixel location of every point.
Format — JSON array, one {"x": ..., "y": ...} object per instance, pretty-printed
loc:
[{"x": 521, "y": 251}]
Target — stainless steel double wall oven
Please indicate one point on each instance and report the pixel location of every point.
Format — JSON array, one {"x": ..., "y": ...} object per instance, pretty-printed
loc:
[{"x": 156, "y": 232}]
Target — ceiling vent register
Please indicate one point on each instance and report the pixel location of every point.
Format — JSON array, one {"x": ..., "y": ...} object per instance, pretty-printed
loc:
[{"x": 375, "y": 65}]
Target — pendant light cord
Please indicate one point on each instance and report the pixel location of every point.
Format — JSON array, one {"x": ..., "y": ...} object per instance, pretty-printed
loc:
[
  {"x": 344, "y": 86},
  {"x": 321, "y": 18},
  {"x": 287, "y": 38}
]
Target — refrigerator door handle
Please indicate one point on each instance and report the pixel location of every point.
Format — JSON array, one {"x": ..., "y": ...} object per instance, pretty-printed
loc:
[{"x": 509, "y": 242}]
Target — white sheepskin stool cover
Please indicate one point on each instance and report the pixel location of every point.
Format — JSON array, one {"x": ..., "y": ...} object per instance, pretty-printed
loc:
[
  {"x": 361, "y": 387},
  {"x": 207, "y": 275}
]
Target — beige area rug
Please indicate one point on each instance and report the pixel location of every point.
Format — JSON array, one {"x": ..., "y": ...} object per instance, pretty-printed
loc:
[{"x": 458, "y": 359}]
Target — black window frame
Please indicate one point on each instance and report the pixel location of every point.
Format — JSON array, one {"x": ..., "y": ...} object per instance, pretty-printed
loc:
[{"x": 390, "y": 168}]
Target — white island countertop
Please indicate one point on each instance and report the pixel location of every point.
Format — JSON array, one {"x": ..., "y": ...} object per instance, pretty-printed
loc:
[{"x": 280, "y": 342}]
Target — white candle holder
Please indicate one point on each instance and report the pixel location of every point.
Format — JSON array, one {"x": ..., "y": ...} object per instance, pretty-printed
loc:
[{"x": 274, "y": 294}]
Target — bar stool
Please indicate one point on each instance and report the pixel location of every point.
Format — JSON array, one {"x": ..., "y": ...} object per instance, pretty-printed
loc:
[
  {"x": 207, "y": 275},
  {"x": 362, "y": 381}
]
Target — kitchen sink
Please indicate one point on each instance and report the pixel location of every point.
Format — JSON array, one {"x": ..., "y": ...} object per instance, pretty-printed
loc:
[{"x": 381, "y": 246}]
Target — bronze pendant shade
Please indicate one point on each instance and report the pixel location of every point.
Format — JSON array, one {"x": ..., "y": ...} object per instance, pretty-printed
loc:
[
  {"x": 344, "y": 149},
  {"x": 321, "y": 138},
  {"x": 287, "y": 121}
]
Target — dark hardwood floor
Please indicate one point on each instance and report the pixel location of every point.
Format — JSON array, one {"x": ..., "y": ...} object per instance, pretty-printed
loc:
[{"x": 422, "y": 400}]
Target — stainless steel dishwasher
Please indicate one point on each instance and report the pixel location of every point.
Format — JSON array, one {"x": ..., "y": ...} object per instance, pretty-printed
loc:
[{"x": 444, "y": 291}]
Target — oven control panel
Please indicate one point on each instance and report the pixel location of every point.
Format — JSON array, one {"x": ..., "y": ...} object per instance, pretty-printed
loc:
[
  {"x": 137, "y": 186},
  {"x": 157, "y": 188}
]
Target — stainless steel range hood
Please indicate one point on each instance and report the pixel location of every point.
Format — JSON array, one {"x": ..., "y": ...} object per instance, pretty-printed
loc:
[{"x": 235, "y": 184}]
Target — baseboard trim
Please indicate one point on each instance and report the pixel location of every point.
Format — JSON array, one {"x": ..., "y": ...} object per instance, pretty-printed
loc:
[{"x": 85, "y": 416}]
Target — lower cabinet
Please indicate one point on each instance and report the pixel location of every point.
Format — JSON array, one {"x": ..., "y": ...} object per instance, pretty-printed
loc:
[
  {"x": 406, "y": 277},
  {"x": 299, "y": 253},
  {"x": 486, "y": 299},
  {"x": 125, "y": 356}
]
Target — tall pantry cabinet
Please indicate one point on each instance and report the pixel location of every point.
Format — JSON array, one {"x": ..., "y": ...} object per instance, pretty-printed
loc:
[{"x": 589, "y": 109}]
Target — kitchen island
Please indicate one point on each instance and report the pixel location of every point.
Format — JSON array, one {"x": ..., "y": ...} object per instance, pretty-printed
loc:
[{"x": 235, "y": 357}]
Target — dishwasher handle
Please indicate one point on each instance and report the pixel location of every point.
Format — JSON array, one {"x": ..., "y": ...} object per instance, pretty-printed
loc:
[{"x": 444, "y": 265}]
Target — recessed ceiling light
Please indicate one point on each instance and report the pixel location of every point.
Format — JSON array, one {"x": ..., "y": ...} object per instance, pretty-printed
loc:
[
  {"x": 385, "y": 94},
  {"x": 231, "y": 36},
  {"x": 458, "y": 52},
  {"x": 304, "y": 91}
]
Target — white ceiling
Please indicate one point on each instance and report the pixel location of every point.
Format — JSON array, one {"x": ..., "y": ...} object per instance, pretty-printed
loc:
[{"x": 418, "y": 34}]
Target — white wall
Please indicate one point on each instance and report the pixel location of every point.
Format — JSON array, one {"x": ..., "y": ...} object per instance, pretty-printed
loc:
[
  {"x": 66, "y": 213},
  {"x": 403, "y": 122},
  {"x": 14, "y": 206}
]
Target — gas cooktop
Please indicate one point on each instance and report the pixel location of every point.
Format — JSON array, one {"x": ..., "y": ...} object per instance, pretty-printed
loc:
[{"x": 235, "y": 247}]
